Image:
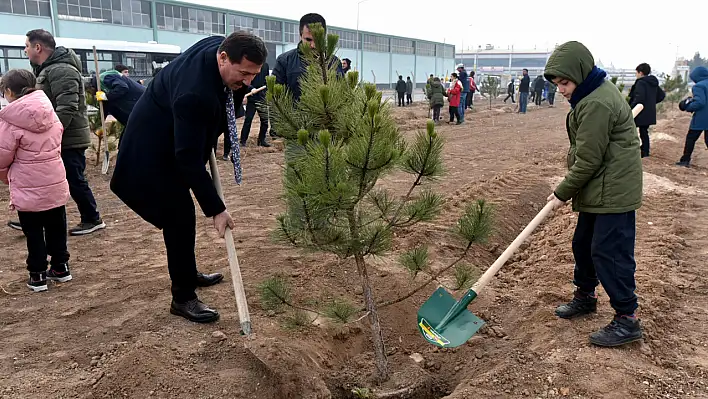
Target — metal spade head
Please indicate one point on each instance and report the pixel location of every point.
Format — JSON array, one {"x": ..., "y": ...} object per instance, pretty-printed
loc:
[{"x": 457, "y": 329}]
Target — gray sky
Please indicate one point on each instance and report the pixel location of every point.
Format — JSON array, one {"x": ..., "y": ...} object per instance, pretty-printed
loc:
[{"x": 638, "y": 33}]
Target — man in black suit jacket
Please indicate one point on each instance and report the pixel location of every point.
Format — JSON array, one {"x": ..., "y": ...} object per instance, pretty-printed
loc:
[{"x": 168, "y": 141}]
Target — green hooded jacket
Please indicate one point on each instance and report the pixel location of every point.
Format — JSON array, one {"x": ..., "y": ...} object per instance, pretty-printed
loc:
[
  {"x": 436, "y": 94},
  {"x": 60, "y": 79},
  {"x": 604, "y": 161}
]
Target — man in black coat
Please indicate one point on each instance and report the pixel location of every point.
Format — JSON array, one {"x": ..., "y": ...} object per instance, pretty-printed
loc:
[
  {"x": 645, "y": 91},
  {"x": 401, "y": 90},
  {"x": 167, "y": 143},
  {"x": 255, "y": 104}
]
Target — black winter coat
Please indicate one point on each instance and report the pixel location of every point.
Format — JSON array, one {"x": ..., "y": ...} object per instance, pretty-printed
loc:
[
  {"x": 524, "y": 84},
  {"x": 123, "y": 93},
  {"x": 538, "y": 84},
  {"x": 646, "y": 91},
  {"x": 258, "y": 82},
  {"x": 289, "y": 68},
  {"x": 401, "y": 86},
  {"x": 170, "y": 135}
]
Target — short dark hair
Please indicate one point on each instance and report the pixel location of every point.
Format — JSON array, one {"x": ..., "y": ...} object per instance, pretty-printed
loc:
[
  {"x": 42, "y": 37},
  {"x": 472, "y": 74},
  {"x": 121, "y": 68},
  {"x": 431, "y": 75},
  {"x": 19, "y": 81},
  {"x": 400, "y": 76},
  {"x": 312, "y": 18},
  {"x": 453, "y": 74},
  {"x": 242, "y": 44},
  {"x": 349, "y": 62},
  {"x": 525, "y": 70},
  {"x": 644, "y": 68}
]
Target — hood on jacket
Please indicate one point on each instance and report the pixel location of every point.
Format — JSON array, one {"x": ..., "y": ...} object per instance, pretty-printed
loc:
[
  {"x": 435, "y": 84},
  {"x": 699, "y": 74},
  {"x": 572, "y": 61},
  {"x": 61, "y": 55},
  {"x": 651, "y": 80},
  {"x": 33, "y": 112}
]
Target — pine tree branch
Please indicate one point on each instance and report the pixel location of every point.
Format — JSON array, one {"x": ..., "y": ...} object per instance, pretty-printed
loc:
[{"x": 416, "y": 183}]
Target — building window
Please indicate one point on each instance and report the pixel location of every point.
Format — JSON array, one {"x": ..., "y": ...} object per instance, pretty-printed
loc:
[
  {"x": 118, "y": 12},
  {"x": 292, "y": 33},
  {"x": 13, "y": 58},
  {"x": 26, "y": 7},
  {"x": 106, "y": 61},
  {"x": 402, "y": 46},
  {"x": 425, "y": 49},
  {"x": 268, "y": 30},
  {"x": 347, "y": 39},
  {"x": 376, "y": 43},
  {"x": 449, "y": 52},
  {"x": 192, "y": 20}
]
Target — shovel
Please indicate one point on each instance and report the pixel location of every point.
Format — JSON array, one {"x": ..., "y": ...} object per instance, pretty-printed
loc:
[
  {"x": 106, "y": 152},
  {"x": 447, "y": 323}
]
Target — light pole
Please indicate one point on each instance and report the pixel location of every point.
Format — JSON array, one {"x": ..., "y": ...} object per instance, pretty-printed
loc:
[{"x": 359, "y": 41}]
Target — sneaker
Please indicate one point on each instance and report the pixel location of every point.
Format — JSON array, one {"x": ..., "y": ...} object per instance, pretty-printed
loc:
[
  {"x": 37, "y": 282},
  {"x": 622, "y": 330},
  {"x": 685, "y": 164},
  {"x": 87, "y": 228},
  {"x": 14, "y": 225},
  {"x": 581, "y": 304},
  {"x": 59, "y": 273}
]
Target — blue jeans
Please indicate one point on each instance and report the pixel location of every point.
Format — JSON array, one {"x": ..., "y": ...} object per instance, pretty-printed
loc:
[
  {"x": 75, "y": 165},
  {"x": 523, "y": 101},
  {"x": 603, "y": 247},
  {"x": 463, "y": 102}
]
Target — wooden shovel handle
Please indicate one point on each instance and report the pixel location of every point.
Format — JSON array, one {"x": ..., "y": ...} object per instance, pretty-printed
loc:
[
  {"x": 243, "y": 315},
  {"x": 489, "y": 274}
]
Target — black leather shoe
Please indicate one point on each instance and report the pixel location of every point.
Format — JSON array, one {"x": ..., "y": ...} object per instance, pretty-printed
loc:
[
  {"x": 263, "y": 144},
  {"x": 207, "y": 280},
  {"x": 195, "y": 311}
]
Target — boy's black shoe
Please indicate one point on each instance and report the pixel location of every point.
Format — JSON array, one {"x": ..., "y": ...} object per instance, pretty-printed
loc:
[
  {"x": 622, "y": 330},
  {"x": 684, "y": 164},
  {"x": 87, "y": 228},
  {"x": 581, "y": 304},
  {"x": 263, "y": 144},
  {"x": 37, "y": 282},
  {"x": 59, "y": 273},
  {"x": 14, "y": 225}
]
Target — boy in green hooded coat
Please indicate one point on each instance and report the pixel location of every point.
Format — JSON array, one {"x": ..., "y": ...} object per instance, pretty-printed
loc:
[{"x": 604, "y": 181}]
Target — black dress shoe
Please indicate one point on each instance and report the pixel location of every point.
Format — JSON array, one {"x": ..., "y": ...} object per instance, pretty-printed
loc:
[
  {"x": 263, "y": 144},
  {"x": 195, "y": 311},
  {"x": 207, "y": 280}
]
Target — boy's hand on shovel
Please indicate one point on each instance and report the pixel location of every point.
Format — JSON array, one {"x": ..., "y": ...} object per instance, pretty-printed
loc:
[
  {"x": 557, "y": 203},
  {"x": 222, "y": 221}
]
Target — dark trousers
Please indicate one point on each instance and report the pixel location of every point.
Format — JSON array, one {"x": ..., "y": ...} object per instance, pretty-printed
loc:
[
  {"x": 454, "y": 113},
  {"x": 227, "y": 144},
  {"x": 180, "y": 237},
  {"x": 470, "y": 98},
  {"x": 691, "y": 138},
  {"x": 551, "y": 98},
  {"x": 644, "y": 135},
  {"x": 251, "y": 110},
  {"x": 75, "y": 165},
  {"x": 401, "y": 99},
  {"x": 46, "y": 235},
  {"x": 409, "y": 98},
  {"x": 538, "y": 97},
  {"x": 436, "y": 112},
  {"x": 508, "y": 96},
  {"x": 603, "y": 246},
  {"x": 532, "y": 97}
]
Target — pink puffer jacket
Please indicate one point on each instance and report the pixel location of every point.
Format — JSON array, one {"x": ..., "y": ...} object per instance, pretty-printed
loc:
[{"x": 30, "y": 154}]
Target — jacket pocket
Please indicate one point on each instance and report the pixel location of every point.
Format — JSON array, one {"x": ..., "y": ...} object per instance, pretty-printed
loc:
[{"x": 594, "y": 192}]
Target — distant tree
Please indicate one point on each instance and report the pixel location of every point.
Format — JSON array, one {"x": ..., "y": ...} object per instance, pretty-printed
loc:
[
  {"x": 675, "y": 88},
  {"x": 490, "y": 89},
  {"x": 697, "y": 61}
]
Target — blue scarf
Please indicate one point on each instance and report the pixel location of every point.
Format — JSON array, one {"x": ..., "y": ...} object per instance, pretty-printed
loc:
[{"x": 595, "y": 79}]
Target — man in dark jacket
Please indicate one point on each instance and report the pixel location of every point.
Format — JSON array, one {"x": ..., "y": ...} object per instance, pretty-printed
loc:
[
  {"x": 464, "y": 79},
  {"x": 255, "y": 104},
  {"x": 166, "y": 144},
  {"x": 697, "y": 104},
  {"x": 645, "y": 91},
  {"x": 58, "y": 72},
  {"x": 401, "y": 91},
  {"x": 538, "y": 85},
  {"x": 409, "y": 90},
  {"x": 119, "y": 94},
  {"x": 510, "y": 91},
  {"x": 289, "y": 66},
  {"x": 524, "y": 91}
]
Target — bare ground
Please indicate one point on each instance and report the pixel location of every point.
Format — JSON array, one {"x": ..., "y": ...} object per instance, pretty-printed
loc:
[{"x": 108, "y": 333}]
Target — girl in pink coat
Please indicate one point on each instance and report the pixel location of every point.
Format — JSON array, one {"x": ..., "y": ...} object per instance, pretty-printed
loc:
[{"x": 30, "y": 162}]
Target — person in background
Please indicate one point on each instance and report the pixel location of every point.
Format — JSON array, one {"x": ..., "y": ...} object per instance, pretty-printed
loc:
[
  {"x": 119, "y": 94},
  {"x": 551, "y": 89},
  {"x": 436, "y": 94},
  {"x": 510, "y": 92},
  {"x": 524, "y": 87},
  {"x": 698, "y": 106},
  {"x": 58, "y": 73},
  {"x": 30, "y": 162},
  {"x": 604, "y": 180},
  {"x": 538, "y": 85},
  {"x": 254, "y": 105},
  {"x": 645, "y": 91},
  {"x": 409, "y": 91},
  {"x": 431, "y": 78},
  {"x": 463, "y": 78},
  {"x": 473, "y": 89},
  {"x": 346, "y": 65},
  {"x": 122, "y": 69},
  {"x": 454, "y": 94},
  {"x": 401, "y": 90}
]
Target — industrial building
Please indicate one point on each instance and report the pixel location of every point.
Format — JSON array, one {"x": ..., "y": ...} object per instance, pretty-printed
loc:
[
  {"x": 145, "y": 33},
  {"x": 504, "y": 63}
]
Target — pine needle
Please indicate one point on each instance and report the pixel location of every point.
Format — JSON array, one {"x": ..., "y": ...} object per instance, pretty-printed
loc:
[
  {"x": 415, "y": 260},
  {"x": 297, "y": 319},
  {"x": 275, "y": 292},
  {"x": 465, "y": 276},
  {"x": 475, "y": 226},
  {"x": 340, "y": 311}
]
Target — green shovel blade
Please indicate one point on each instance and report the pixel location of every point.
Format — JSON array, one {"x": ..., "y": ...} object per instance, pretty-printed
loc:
[{"x": 457, "y": 329}]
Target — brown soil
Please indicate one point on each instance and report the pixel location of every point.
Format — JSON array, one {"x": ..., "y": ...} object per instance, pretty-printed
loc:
[{"x": 108, "y": 333}]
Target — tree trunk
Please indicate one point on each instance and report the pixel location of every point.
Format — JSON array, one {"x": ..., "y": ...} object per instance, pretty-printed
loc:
[
  {"x": 384, "y": 373},
  {"x": 98, "y": 150}
]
